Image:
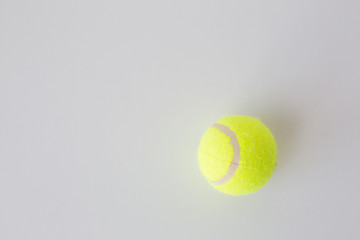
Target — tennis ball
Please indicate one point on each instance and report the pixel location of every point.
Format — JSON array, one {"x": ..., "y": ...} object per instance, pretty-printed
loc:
[{"x": 237, "y": 155}]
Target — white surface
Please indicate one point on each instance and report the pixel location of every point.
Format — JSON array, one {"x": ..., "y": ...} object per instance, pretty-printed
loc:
[{"x": 103, "y": 103}]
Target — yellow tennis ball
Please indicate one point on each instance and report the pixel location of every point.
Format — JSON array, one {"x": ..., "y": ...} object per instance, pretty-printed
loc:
[{"x": 237, "y": 155}]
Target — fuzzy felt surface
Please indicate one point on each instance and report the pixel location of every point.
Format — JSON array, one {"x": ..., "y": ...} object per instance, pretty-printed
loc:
[{"x": 257, "y": 153}]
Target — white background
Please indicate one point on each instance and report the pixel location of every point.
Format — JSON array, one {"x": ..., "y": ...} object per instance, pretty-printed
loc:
[{"x": 103, "y": 104}]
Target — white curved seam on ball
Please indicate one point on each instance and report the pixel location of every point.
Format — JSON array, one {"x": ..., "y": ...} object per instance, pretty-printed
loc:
[{"x": 236, "y": 158}]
